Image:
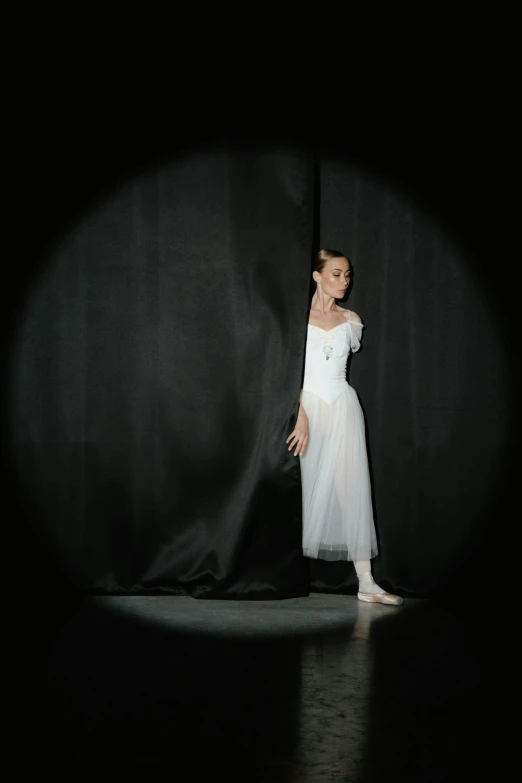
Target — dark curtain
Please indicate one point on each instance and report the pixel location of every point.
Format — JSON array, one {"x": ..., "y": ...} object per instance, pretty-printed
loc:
[
  {"x": 433, "y": 377},
  {"x": 157, "y": 374},
  {"x": 158, "y": 361}
]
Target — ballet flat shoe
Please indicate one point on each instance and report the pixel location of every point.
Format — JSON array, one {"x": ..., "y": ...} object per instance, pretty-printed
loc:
[{"x": 381, "y": 598}]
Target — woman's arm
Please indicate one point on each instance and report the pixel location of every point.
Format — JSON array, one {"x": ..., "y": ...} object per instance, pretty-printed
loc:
[{"x": 299, "y": 437}]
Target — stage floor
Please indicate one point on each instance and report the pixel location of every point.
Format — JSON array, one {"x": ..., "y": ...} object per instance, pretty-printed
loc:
[{"x": 323, "y": 688}]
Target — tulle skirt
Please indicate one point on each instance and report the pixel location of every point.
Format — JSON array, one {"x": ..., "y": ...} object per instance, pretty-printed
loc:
[{"x": 337, "y": 505}]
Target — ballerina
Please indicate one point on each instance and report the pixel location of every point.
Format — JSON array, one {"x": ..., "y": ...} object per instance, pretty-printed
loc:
[{"x": 329, "y": 436}]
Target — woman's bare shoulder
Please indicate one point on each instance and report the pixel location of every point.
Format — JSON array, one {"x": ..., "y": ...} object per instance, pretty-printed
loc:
[{"x": 351, "y": 316}]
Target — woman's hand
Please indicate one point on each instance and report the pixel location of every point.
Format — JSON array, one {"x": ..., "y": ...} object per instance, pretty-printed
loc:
[{"x": 299, "y": 437}]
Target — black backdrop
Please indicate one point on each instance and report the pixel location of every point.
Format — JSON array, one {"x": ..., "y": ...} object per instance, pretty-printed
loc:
[
  {"x": 158, "y": 376},
  {"x": 434, "y": 378},
  {"x": 159, "y": 357}
]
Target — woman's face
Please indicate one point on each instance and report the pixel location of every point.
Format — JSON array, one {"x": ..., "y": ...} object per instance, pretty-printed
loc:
[{"x": 335, "y": 277}]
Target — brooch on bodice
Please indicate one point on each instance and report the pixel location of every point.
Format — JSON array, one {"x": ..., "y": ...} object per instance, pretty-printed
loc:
[{"x": 328, "y": 344}]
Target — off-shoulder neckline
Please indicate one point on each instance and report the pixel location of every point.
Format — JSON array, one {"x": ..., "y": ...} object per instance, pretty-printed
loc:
[{"x": 327, "y": 331}]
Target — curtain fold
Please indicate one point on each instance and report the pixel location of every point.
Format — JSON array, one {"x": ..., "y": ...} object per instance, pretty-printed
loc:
[{"x": 158, "y": 375}]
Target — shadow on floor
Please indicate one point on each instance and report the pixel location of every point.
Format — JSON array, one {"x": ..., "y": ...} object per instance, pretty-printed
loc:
[
  {"x": 429, "y": 705},
  {"x": 127, "y": 693},
  {"x": 377, "y": 693}
]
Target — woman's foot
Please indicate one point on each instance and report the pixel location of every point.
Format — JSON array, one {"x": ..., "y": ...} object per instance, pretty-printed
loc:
[{"x": 371, "y": 592}]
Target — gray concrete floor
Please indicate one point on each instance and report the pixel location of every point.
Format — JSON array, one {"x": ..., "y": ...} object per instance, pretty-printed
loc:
[{"x": 323, "y": 688}]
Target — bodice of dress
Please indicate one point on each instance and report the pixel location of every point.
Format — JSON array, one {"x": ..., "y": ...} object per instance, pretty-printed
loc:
[{"x": 326, "y": 358}]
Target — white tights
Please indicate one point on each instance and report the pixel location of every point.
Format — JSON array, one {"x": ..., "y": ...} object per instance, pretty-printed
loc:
[{"x": 367, "y": 584}]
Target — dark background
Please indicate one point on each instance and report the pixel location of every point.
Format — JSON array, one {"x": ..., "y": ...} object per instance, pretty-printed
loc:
[
  {"x": 156, "y": 363},
  {"x": 452, "y": 172},
  {"x": 443, "y": 479}
]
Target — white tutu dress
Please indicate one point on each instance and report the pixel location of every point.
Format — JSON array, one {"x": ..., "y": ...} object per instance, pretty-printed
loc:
[{"x": 337, "y": 505}]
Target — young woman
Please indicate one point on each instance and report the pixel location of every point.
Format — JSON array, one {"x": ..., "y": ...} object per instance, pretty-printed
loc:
[{"x": 329, "y": 435}]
